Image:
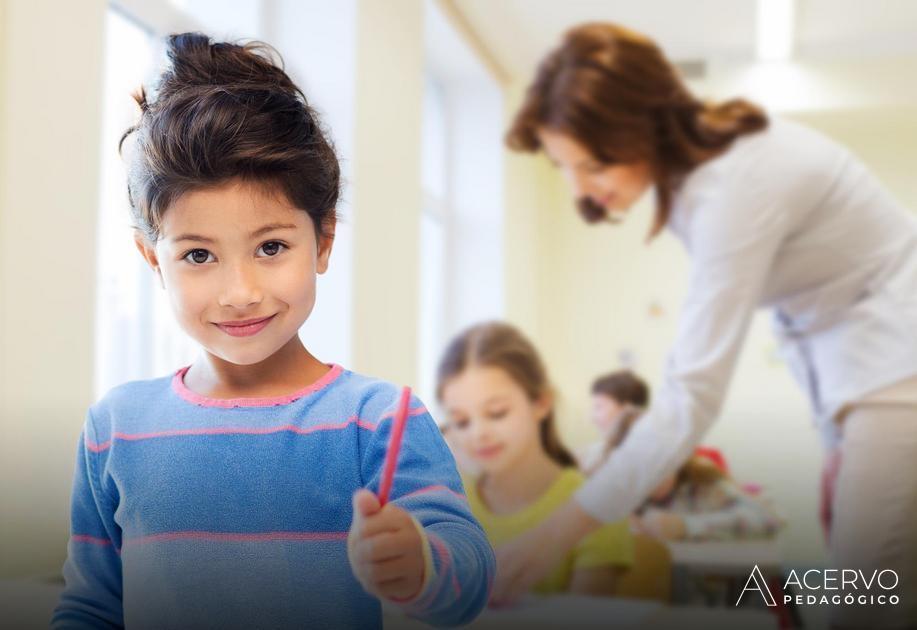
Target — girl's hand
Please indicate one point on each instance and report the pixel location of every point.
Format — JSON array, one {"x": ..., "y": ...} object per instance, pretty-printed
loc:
[
  {"x": 533, "y": 555},
  {"x": 385, "y": 549},
  {"x": 663, "y": 524}
]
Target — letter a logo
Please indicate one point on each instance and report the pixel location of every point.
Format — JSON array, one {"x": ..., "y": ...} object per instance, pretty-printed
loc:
[{"x": 760, "y": 586}]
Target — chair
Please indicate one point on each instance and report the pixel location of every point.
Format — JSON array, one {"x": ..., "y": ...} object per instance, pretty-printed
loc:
[{"x": 650, "y": 577}]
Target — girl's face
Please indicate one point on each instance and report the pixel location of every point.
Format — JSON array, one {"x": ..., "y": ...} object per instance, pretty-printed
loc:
[
  {"x": 605, "y": 412},
  {"x": 615, "y": 187},
  {"x": 238, "y": 264},
  {"x": 492, "y": 421}
]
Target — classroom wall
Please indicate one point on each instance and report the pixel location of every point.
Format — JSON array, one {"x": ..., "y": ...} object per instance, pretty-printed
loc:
[
  {"x": 386, "y": 193},
  {"x": 51, "y": 56},
  {"x": 597, "y": 298}
]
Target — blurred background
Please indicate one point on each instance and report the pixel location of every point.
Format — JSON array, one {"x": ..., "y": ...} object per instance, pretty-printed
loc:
[{"x": 442, "y": 227}]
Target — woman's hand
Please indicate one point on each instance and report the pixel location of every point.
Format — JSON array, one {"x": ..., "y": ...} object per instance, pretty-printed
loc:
[
  {"x": 385, "y": 549},
  {"x": 530, "y": 557}
]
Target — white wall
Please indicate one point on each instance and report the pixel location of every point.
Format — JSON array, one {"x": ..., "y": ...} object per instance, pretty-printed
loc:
[
  {"x": 49, "y": 152},
  {"x": 386, "y": 193}
]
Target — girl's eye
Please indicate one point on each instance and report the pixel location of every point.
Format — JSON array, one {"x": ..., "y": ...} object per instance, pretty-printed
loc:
[
  {"x": 459, "y": 424},
  {"x": 272, "y": 248},
  {"x": 198, "y": 256},
  {"x": 498, "y": 414}
]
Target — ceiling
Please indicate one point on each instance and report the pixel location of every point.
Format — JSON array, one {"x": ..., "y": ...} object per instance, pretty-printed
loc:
[{"x": 517, "y": 33}]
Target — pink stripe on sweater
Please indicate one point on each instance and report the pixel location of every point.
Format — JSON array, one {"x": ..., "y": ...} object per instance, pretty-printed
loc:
[
  {"x": 445, "y": 570},
  {"x": 237, "y": 537},
  {"x": 291, "y": 428},
  {"x": 92, "y": 540},
  {"x": 178, "y": 385}
]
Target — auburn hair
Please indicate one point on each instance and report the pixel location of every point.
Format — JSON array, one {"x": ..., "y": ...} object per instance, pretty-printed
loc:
[
  {"x": 613, "y": 90},
  {"x": 225, "y": 111},
  {"x": 500, "y": 345}
]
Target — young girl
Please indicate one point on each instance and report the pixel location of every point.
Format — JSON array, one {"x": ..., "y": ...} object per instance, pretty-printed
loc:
[
  {"x": 618, "y": 399},
  {"x": 496, "y": 393},
  {"x": 700, "y": 502},
  {"x": 230, "y": 495}
]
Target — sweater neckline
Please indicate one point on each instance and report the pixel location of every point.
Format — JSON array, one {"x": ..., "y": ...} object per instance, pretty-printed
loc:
[{"x": 179, "y": 387}]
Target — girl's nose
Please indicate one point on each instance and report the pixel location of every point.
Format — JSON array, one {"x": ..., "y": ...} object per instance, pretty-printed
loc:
[
  {"x": 478, "y": 431},
  {"x": 240, "y": 288}
]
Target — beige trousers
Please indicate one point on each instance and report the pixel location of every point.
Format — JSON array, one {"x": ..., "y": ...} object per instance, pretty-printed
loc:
[{"x": 874, "y": 505}]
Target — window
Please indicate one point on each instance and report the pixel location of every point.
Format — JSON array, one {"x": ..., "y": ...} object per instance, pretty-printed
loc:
[
  {"x": 136, "y": 334},
  {"x": 136, "y": 337},
  {"x": 461, "y": 261}
]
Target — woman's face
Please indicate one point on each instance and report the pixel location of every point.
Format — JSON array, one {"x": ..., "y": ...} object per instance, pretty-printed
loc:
[
  {"x": 606, "y": 411},
  {"x": 616, "y": 187},
  {"x": 492, "y": 421}
]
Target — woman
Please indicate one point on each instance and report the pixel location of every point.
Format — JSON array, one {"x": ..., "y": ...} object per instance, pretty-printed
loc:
[{"x": 771, "y": 214}]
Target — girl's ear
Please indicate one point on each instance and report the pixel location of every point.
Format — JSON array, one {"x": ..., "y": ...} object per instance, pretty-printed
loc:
[
  {"x": 325, "y": 242},
  {"x": 543, "y": 405},
  {"x": 149, "y": 255}
]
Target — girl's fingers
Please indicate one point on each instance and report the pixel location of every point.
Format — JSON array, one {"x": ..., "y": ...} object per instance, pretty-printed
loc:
[
  {"x": 404, "y": 567},
  {"x": 400, "y": 589},
  {"x": 388, "y": 519},
  {"x": 384, "y": 546}
]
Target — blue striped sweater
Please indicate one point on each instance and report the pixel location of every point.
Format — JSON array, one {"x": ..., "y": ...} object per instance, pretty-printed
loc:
[{"x": 190, "y": 512}]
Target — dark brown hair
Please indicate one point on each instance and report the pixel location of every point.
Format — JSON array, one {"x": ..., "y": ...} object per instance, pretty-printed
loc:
[
  {"x": 614, "y": 91},
  {"x": 224, "y": 111},
  {"x": 499, "y": 345},
  {"x": 624, "y": 386}
]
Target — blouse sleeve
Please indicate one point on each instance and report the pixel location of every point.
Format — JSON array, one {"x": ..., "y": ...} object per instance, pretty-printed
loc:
[{"x": 733, "y": 233}]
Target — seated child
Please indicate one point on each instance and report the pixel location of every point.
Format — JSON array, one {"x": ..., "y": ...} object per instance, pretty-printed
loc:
[
  {"x": 495, "y": 391},
  {"x": 236, "y": 492},
  {"x": 618, "y": 399},
  {"x": 698, "y": 502},
  {"x": 701, "y": 502}
]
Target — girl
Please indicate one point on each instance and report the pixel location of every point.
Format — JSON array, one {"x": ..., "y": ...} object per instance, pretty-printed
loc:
[
  {"x": 229, "y": 494},
  {"x": 500, "y": 412},
  {"x": 617, "y": 400},
  {"x": 700, "y": 502},
  {"x": 771, "y": 214}
]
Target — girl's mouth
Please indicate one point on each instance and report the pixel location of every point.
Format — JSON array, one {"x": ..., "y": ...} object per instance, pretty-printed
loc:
[
  {"x": 487, "y": 453},
  {"x": 245, "y": 327}
]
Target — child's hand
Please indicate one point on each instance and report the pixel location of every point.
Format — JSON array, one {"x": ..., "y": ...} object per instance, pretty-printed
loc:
[
  {"x": 385, "y": 549},
  {"x": 663, "y": 524}
]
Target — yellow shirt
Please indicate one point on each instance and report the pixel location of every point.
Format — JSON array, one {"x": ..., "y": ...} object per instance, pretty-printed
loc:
[{"x": 612, "y": 545}]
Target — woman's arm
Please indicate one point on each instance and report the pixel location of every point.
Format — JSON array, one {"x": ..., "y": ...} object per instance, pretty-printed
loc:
[{"x": 736, "y": 229}]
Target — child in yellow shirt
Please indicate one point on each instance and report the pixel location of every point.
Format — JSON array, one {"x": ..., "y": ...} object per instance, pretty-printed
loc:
[{"x": 498, "y": 401}]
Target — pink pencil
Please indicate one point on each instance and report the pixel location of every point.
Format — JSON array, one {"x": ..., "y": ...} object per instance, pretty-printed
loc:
[{"x": 394, "y": 446}]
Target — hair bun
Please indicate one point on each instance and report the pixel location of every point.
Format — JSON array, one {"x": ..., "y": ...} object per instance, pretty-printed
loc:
[{"x": 195, "y": 60}]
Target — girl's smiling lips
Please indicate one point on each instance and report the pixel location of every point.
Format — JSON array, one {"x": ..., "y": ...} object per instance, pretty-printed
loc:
[
  {"x": 244, "y": 327},
  {"x": 490, "y": 451}
]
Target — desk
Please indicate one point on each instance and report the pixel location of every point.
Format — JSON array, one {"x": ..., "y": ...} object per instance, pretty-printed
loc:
[
  {"x": 728, "y": 558},
  {"x": 719, "y": 570},
  {"x": 573, "y": 611}
]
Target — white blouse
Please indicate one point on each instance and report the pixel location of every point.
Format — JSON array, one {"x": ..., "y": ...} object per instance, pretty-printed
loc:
[{"x": 787, "y": 219}]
